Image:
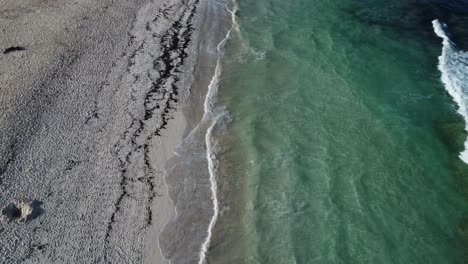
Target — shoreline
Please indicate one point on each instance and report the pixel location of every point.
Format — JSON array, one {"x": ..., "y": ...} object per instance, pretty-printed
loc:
[{"x": 187, "y": 175}]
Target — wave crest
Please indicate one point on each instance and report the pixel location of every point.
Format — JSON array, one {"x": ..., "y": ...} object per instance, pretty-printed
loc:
[{"x": 453, "y": 64}]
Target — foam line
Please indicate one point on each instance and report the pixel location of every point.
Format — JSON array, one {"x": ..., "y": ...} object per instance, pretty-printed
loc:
[{"x": 209, "y": 113}]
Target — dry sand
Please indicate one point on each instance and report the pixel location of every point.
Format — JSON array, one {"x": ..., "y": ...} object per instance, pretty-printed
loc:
[{"x": 90, "y": 93}]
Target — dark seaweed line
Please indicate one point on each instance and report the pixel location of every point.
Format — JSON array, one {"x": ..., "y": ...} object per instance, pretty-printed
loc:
[
  {"x": 173, "y": 41},
  {"x": 9, "y": 161},
  {"x": 179, "y": 42},
  {"x": 94, "y": 114}
]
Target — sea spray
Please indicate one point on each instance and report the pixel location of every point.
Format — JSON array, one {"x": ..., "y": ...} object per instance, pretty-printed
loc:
[{"x": 453, "y": 64}]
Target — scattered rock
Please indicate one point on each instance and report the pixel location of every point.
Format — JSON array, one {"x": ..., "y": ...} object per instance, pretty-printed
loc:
[
  {"x": 25, "y": 210},
  {"x": 22, "y": 211}
]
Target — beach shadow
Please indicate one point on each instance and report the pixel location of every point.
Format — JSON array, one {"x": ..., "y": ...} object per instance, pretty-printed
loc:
[
  {"x": 37, "y": 210},
  {"x": 11, "y": 212}
]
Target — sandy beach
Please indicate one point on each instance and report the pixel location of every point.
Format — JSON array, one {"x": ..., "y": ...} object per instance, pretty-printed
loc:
[{"x": 92, "y": 96}]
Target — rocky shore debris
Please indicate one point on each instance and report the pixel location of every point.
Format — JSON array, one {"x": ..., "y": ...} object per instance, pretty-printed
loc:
[
  {"x": 13, "y": 49},
  {"x": 21, "y": 211}
]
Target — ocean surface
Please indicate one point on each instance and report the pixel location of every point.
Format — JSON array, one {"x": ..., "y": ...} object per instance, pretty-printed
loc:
[{"x": 336, "y": 133}]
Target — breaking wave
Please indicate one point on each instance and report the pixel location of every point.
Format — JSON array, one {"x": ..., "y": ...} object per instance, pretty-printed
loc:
[{"x": 453, "y": 64}]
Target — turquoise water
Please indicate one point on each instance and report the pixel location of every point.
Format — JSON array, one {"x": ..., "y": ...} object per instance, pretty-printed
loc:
[{"x": 343, "y": 145}]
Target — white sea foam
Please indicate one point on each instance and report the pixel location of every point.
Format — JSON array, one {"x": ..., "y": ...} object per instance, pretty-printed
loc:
[
  {"x": 453, "y": 64},
  {"x": 210, "y": 115},
  {"x": 250, "y": 55}
]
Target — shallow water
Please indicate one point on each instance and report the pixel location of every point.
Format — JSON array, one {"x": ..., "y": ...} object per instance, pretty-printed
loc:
[{"x": 344, "y": 143}]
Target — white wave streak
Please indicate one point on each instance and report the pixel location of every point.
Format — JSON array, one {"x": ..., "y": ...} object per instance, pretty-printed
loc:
[
  {"x": 453, "y": 64},
  {"x": 209, "y": 113}
]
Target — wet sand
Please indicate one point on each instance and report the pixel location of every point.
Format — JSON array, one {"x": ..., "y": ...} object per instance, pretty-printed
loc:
[
  {"x": 91, "y": 94},
  {"x": 186, "y": 238}
]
